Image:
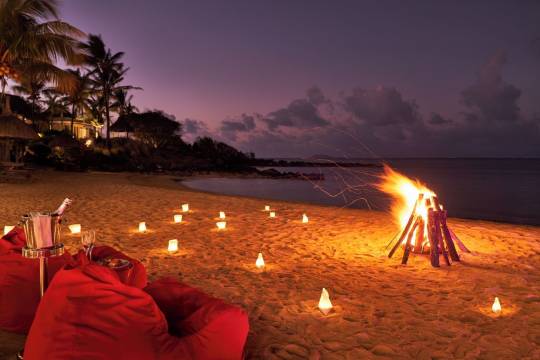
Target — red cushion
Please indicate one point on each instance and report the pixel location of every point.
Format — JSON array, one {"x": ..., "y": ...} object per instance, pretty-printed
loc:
[
  {"x": 19, "y": 282},
  {"x": 88, "y": 313}
]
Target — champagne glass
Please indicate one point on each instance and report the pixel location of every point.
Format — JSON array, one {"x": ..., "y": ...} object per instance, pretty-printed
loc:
[{"x": 88, "y": 238}]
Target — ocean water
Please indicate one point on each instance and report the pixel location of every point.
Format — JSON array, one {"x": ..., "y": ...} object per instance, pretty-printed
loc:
[{"x": 506, "y": 190}]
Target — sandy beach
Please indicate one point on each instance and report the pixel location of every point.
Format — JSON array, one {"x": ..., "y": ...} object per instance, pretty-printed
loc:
[{"x": 381, "y": 308}]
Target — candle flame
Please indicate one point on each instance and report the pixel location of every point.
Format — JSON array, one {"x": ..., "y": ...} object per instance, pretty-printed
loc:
[
  {"x": 305, "y": 218},
  {"x": 222, "y": 214},
  {"x": 75, "y": 228},
  {"x": 185, "y": 207},
  {"x": 266, "y": 207},
  {"x": 173, "y": 246},
  {"x": 142, "y": 227},
  {"x": 272, "y": 214},
  {"x": 221, "y": 225},
  {"x": 177, "y": 218},
  {"x": 260, "y": 262},
  {"x": 325, "y": 305},
  {"x": 496, "y": 307}
]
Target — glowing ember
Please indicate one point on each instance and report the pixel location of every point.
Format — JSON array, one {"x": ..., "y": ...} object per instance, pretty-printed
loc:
[
  {"x": 7, "y": 229},
  {"x": 173, "y": 246},
  {"x": 221, "y": 225},
  {"x": 222, "y": 214},
  {"x": 325, "y": 305},
  {"x": 496, "y": 307},
  {"x": 422, "y": 219},
  {"x": 75, "y": 228},
  {"x": 305, "y": 218},
  {"x": 272, "y": 214},
  {"x": 260, "y": 262},
  {"x": 266, "y": 207},
  {"x": 185, "y": 207},
  {"x": 142, "y": 227},
  {"x": 177, "y": 218}
]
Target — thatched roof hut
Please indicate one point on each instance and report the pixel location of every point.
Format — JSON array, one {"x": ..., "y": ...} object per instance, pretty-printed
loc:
[{"x": 13, "y": 128}]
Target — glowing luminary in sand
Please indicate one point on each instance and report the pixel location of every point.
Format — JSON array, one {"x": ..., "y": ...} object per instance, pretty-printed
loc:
[
  {"x": 266, "y": 207},
  {"x": 185, "y": 207},
  {"x": 8, "y": 228},
  {"x": 75, "y": 228},
  {"x": 222, "y": 214},
  {"x": 173, "y": 246},
  {"x": 177, "y": 218},
  {"x": 142, "y": 227},
  {"x": 221, "y": 225},
  {"x": 260, "y": 262},
  {"x": 325, "y": 305},
  {"x": 496, "y": 307},
  {"x": 272, "y": 214},
  {"x": 305, "y": 219}
]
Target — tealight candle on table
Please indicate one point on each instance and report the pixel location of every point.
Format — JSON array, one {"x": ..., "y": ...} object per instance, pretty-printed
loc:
[
  {"x": 260, "y": 262},
  {"x": 142, "y": 227},
  {"x": 305, "y": 218},
  {"x": 75, "y": 228},
  {"x": 222, "y": 214},
  {"x": 325, "y": 305},
  {"x": 272, "y": 214},
  {"x": 177, "y": 218},
  {"x": 173, "y": 246},
  {"x": 8, "y": 228},
  {"x": 185, "y": 207},
  {"x": 221, "y": 225}
]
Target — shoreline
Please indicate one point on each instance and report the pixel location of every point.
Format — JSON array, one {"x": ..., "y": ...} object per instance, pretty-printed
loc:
[{"x": 381, "y": 308}]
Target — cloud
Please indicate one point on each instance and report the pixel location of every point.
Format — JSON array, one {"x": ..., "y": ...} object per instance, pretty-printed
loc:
[
  {"x": 438, "y": 119},
  {"x": 300, "y": 114},
  {"x": 193, "y": 129},
  {"x": 230, "y": 128}
]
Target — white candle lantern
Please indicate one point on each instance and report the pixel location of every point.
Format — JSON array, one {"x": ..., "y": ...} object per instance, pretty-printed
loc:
[
  {"x": 260, "y": 262},
  {"x": 185, "y": 207},
  {"x": 177, "y": 218},
  {"x": 222, "y": 214},
  {"x": 266, "y": 207},
  {"x": 173, "y": 246},
  {"x": 496, "y": 307},
  {"x": 75, "y": 228},
  {"x": 142, "y": 227},
  {"x": 221, "y": 225},
  {"x": 272, "y": 214},
  {"x": 325, "y": 305},
  {"x": 305, "y": 218},
  {"x": 8, "y": 228}
]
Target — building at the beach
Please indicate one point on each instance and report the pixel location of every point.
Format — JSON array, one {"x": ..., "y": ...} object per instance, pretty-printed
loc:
[
  {"x": 83, "y": 127},
  {"x": 14, "y": 136}
]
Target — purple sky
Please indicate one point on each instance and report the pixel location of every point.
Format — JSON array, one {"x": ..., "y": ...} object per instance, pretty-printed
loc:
[{"x": 404, "y": 78}]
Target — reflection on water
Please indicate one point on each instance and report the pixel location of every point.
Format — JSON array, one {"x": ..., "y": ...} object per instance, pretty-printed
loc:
[{"x": 491, "y": 189}]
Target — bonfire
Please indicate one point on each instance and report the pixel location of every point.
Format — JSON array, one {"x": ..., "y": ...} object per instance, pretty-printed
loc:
[{"x": 422, "y": 220}]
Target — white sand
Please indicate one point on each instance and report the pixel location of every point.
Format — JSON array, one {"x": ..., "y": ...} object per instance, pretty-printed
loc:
[{"x": 382, "y": 309}]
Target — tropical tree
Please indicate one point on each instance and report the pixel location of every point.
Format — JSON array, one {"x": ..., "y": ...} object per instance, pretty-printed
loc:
[
  {"x": 107, "y": 73},
  {"x": 55, "y": 104},
  {"x": 32, "y": 85},
  {"x": 32, "y": 39},
  {"x": 78, "y": 95},
  {"x": 122, "y": 103}
]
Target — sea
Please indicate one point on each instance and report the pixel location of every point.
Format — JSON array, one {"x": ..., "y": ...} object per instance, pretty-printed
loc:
[{"x": 505, "y": 190}]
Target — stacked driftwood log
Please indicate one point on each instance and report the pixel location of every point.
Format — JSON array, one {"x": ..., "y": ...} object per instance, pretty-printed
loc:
[{"x": 440, "y": 239}]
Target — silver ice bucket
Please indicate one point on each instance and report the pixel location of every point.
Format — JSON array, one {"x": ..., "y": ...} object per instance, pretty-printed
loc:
[{"x": 41, "y": 234}]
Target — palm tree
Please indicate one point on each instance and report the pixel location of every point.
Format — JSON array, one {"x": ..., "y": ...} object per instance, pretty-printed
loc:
[
  {"x": 122, "y": 103},
  {"x": 106, "y": 72},
  {"x": 78, "y": 95},
  {"x": 31, "y": 85},
  {"x": 55, "y": 103},
  {"x": 32, "y": 38}
]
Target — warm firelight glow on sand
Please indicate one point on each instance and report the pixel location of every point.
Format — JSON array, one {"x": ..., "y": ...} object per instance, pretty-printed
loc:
[
  {"x": 405, "y": 192},
  {"x": 305, "y": 218},
  {"x": 142, "y": 227},
  {"x": 173, "y": 246},
  {"x": 222, "y": 214},
  {"x": 75, "y": 228},
  {"x": 177, "y": 218},
  {"x": 185, "y": 207},
  {"x": 496, "y": 307},
  {"x": 272, "y": 214},
  {"x": 260, "y": 262},
  {"x": 8, "y": 228},
  {"x": 221, "y": 225},
  {"x": 325, "y": 305}
]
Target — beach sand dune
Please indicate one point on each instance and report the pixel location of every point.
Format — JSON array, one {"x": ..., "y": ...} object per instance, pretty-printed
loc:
[{"x": 381, "y": 308}]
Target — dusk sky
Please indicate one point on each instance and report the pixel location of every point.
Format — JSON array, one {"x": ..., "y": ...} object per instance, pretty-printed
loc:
[{"x": 298, "y": 78}]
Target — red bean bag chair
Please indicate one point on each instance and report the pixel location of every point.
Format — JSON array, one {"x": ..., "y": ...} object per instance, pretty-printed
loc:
[
  {"x": 19, "y": 282},
  {"x": 134, "y": 276},
  {"x": 89, "y": 313}
]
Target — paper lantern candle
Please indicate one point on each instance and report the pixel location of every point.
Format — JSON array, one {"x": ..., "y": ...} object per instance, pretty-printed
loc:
[
  {"x": 75, "y": 228},
  {"x": 260, "y": 262},
  {"x": 222, "y": 214},
  {"x": 266, "y": 207},
  {"x": 173, "y": 246},
  {"x": 7, "y": 229},
  {"x": 305, "y": 218},
  {"x": 325, "y": 305},
  {"x": 142, "y": 227},
  {"x": 177, "y": 218},
  {"x": 185, "y": 207},
  {"x": 496, "y": 307},
  {"x": 272, "y": 214},
  {"x": 221, "y": 225}
]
